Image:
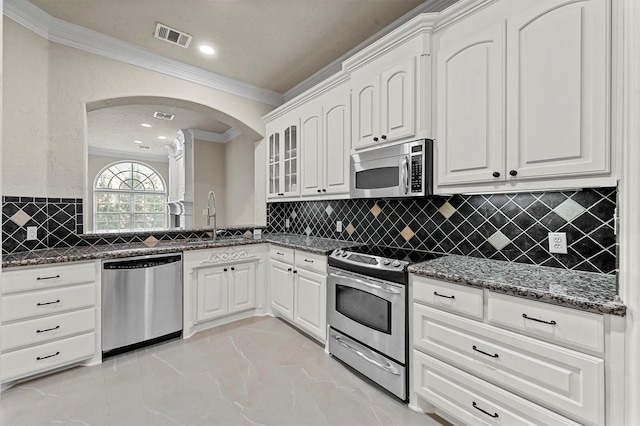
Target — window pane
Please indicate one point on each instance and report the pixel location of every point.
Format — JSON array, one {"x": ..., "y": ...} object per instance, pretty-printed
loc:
[{"x": 128, "y": 206}]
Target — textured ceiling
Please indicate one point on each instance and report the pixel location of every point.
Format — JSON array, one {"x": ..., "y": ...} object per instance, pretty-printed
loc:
[
  {"x": 272, "y": 44},
  {"x": 115, "y": 128}
]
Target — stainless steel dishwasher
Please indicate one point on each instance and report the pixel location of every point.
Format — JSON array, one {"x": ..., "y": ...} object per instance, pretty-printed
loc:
[{"x": 141, "y": 302}]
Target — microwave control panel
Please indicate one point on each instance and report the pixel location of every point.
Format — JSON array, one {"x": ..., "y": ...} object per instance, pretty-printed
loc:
[{"x": 416, "y": 168}]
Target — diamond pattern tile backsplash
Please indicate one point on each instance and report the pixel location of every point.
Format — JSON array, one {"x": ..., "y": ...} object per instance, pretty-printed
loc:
[
  {"x": 511, "y": 227},
  {"x": 59, "y": 221},
  {"x": 59, "y": 224}
]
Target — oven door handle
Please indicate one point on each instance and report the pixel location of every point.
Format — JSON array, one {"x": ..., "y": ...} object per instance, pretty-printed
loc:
[
  {"x": 388, "y": 368},
  {"x": 363, "y": 282}
]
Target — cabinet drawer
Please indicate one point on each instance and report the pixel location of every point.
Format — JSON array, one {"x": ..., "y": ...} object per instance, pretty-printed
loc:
[
  {"x": 23, "y": 279},
  {"x": 282, "y": 254},
  {"x": 473, "y": 401},
  {"x": 39, "y": 303},
  {"x": 30, "y": 332},
  {"x": 565, "y": 326},
  {"x": 456, "y": 298},
  {"x": 48, "y": 356},
  {"x": 561, "y": 379},
  {"x": 311, "y": 262}
]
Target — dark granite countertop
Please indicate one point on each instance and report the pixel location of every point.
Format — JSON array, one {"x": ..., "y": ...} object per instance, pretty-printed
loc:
[
  {"x": 311, "y": 244},
  {"x": 113, "y": 251},
  {"x": 586, "y": 291}
]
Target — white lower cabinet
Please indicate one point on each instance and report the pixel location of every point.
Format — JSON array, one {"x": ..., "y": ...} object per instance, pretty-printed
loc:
[
  {"x": 298, "y": 282},
  {"x": 225, "y": 290},
  {"x": 281, "y": 279},
  {"x": 48, "y": 318},
  {"x": 472, "y": 401},
  {"x": 310, "y": 302},
  {"x": 222, "y": 285},
  {"x": 478, "y": 373}
]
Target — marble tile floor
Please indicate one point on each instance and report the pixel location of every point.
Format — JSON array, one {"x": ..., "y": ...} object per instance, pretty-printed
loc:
[{"x": 258, "y": 371}]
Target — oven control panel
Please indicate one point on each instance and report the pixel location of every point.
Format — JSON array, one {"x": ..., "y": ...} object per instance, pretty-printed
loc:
[{"x": 368, "y": 260}]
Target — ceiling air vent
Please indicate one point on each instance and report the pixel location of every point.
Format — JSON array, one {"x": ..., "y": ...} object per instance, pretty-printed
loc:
[
  {"x": 163, "y": 115},
  {"x": 172, "y": 36}
]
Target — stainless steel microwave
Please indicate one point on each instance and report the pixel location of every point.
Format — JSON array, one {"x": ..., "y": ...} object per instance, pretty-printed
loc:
[{"x": 404, "y": 170}]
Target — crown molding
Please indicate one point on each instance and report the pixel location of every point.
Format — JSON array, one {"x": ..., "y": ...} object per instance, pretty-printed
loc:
[
  {"x": 225, "y": 137},
  {"x": 316, "y": 90},
  {"x": 129, "y": 155},
  {"x": 68, "y": 34}
]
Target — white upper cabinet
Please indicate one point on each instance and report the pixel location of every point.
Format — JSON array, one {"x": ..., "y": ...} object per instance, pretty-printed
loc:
[
  {"x": 384, "y": 107},
  {"x": 391, "y": 87},
  {"x": 523, "y": 97},
  {"x": 283, "y": 165},
  {"x": 470, "y": 113},
  {"x": 324, "y": 141},
  {"x": 557, "y": 93}
]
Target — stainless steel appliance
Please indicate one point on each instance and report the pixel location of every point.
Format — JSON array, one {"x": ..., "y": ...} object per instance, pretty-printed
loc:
[
  {"x": 367, "y": 312},
  {"x": 141, "y": 302},
  {"x": 404, "y": 170}
]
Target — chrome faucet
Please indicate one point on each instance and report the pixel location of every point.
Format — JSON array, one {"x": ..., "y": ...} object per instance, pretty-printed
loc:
[{"x": 211, "y": 212}]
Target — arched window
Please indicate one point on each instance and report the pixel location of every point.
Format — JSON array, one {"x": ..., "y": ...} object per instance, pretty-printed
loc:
[{"x": 129, "y": 196}]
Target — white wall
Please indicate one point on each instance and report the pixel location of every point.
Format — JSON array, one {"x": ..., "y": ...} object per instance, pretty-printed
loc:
[
  {"x": 95, "y": 164},
  {"x": 209, "y": 174},
  {"x": 25, "y": 113},
  {"x": 241, "y": 191},
  {"x": 45, "y": 153}
]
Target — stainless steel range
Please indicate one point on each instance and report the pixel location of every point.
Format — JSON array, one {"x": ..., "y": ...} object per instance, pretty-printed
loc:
[{"x": 367, "y": 312}]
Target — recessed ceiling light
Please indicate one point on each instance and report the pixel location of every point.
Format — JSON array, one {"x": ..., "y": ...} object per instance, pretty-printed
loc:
[
  {"x": 207, "y": 50},
  {"x": 162, "y": 137},
  {"x": 145, "y": 125},
  {"x": 137, "y": 141}
]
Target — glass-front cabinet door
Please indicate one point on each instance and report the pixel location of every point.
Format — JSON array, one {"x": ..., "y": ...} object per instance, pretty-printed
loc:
[
  {"x": 282, "y": 163},
  {"x": 273, "y": 165},
  {"x": 290, "y": 160}
]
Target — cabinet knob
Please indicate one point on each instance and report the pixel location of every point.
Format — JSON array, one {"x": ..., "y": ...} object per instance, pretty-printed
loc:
[
  {"x": 319, "y": 190},
  {"x": 375, "y": 139},
  {"x": 496, "y": 174},
  {"x": 225, "y": 269},
  {"x": 513, "y": 172},
  {"x": 324, "y": 190},
  {"x": 295, "y": 272},
  {"x": 383, "y": 136},
  {"x": 233, "y": 269},
  {"x": 289, "y": 269}
]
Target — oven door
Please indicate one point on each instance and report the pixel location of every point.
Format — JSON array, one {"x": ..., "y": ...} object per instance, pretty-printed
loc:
[{"x": 369, "y": 310}]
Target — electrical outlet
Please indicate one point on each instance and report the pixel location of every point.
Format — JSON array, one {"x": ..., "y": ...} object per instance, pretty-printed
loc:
[
  {"x": 339, "y": 226},
  {"x": 32, "y": 233},
  {"x": 205, "y": 212},
  {"x": 558, "y": 242},
  {"x": 286, "y": 223}
]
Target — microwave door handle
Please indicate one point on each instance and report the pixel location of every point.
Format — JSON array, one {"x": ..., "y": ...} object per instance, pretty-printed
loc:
[
  {"x": 405, "y": 175},
  {"x": 374, "y": 286}
]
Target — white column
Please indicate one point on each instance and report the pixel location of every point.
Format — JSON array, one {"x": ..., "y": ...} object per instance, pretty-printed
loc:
[{"x": 629, "y": 127}]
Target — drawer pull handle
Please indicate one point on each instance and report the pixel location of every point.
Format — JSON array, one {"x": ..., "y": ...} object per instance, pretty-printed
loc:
[
  {"x": 307, "y": 260},
  {"x": 435, "y": 293},
  {"x": 279, "y": 254},
  {"x": 484, "y": 353},
  {"x": 494, "y": 415},
  {"x": 48, "y": 356},
  {"x": 48, "y": 278},
  {"x": 538, "y": 320},
  {"x": 48, "y": 303},
  {"x": 48, "y": 329}
]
